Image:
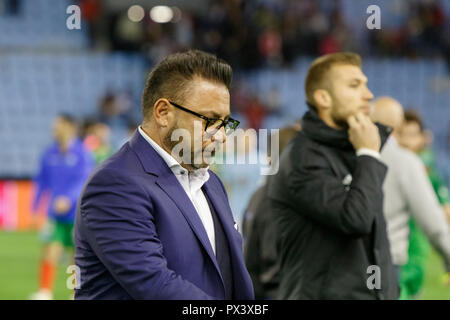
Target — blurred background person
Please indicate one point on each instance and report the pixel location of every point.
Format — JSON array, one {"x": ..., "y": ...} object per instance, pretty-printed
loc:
[
  {"x": 64, "y": 168},
  {"x": 408, "y": 194},
  {"x": 327, "y": 195},
  {"x": 416, "y": 138},
  {"x": 96, "y": 139},
  {"x": 260, "y": 234},
  {"x": 114, "y": 112}
]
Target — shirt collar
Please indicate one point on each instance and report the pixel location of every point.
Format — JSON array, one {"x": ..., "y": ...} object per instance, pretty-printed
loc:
[
  {"x": 201, "y": 175},
  {"x": 168, "y": 159}
]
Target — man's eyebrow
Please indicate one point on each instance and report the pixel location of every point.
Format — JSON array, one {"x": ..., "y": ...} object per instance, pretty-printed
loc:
[
  {"x": 358, "y": 80},
  {"x": 215, "y": 115}
]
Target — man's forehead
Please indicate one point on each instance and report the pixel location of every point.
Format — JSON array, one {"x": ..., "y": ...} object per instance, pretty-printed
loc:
[
  {"x": 348, "y": 72},
  {"x": 209, "y": 97},
  {"x": 203, "y": 84}
]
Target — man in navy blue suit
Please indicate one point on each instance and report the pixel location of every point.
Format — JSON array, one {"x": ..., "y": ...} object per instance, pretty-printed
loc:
[{"x": 153, "y": 222}]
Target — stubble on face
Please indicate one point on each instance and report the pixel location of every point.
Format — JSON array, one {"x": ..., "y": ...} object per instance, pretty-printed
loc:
[
  {"x": 349, "y": 93},
  {"x": 197, "y": 158},
  {"x": 169, "y": 144},
  {"x": 210, "y": 99},
  {"x": 339, "y": 117}
]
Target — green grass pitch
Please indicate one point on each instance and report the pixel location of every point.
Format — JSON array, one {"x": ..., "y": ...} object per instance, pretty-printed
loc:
[{"x": 19, "y": 258}]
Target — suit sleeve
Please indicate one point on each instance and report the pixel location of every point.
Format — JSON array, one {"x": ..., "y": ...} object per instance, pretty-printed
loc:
[
  {"x": 120, "y": 227},
  {"x": 315, "y": 191},
  {"x": 425, "y": 208}
]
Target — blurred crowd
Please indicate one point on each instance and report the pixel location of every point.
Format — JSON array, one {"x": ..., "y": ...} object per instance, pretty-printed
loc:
[
  {"x": 270, "y": 33},
  {"x": 424, "y": 32},
  {"x": 252, "y": 34}
]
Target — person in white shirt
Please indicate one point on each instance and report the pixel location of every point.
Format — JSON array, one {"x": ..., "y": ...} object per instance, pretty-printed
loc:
[{"x": 408, "y": 192}]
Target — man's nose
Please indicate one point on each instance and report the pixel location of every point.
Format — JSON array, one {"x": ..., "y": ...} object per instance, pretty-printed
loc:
[{"x": 368, "y": 95}]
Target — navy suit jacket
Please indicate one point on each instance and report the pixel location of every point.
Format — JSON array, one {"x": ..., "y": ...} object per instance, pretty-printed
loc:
[{"x": 138, "y": 236}]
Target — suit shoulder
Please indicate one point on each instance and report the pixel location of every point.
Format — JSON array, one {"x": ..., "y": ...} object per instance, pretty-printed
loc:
[
  {"x": 122, "y": 165},
  {"x": 110, "y": 182},
  {"x": 124, "y": 160}
]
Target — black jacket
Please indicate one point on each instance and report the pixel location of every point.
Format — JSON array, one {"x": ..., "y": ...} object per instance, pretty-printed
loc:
[
  {"x": 328, "y": 206},
  {"x": 260, "y": 250}
]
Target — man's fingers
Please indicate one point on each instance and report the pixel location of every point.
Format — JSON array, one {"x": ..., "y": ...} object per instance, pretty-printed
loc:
[
  {"x": 362, "y": 119},
  {"x": 352, "y": 123}
]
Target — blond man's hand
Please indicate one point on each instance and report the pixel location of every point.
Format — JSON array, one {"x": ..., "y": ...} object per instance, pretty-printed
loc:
[{"x": 363, "y": 133}]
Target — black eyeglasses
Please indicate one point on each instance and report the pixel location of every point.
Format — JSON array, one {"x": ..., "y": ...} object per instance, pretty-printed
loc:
[{"x": 212, "y": 124}]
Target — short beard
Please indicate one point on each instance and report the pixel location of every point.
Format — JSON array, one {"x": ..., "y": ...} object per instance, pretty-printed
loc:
[
  {"x": 337, "y": 118},
  {"x": 169, "y": 144},
  {"x": 167, "y": 140},
  {"x": 201, "y": 164}
]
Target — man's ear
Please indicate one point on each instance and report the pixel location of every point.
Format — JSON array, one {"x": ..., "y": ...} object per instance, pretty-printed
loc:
[
  {"x": 161, "y": 112},
  {"x": 322, "y": 99}
]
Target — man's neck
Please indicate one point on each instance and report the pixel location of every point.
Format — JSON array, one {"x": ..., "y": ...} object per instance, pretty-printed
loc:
[
  {"x": 158, "y": 140},
  {"x": 151, "y": 133},
  {"x": 329, "y": 120}
]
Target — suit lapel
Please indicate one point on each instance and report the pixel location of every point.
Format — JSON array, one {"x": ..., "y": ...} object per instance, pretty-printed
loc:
[
  {"x": 175, "y": 191},
  {"x": 241, "y": 279},
  {"x": 221, "y": 206},
  {"x": 166, "y": 180}
]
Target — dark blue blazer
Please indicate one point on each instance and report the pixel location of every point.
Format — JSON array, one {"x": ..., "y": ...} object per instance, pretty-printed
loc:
[{"x": 138, "y": 236}]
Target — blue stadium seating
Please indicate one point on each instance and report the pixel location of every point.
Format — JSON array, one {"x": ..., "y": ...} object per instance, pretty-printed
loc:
[
  {"x": 47, "y": 69},
  {"x": 36, "y": 87},
  {"x": 41, "y": 24}
]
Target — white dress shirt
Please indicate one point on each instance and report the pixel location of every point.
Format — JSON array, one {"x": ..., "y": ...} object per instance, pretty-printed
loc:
[
  {"x": 368, "y": 152},
  {"x": 192, "y": 183},
  {"x": 408, "y": 193}
]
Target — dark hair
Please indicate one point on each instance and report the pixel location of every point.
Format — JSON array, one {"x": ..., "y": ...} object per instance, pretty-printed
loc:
[
  {"x": 87, "y": 124},
  {"x": 412, "y": 116},
  {"x": 68, "y": 118},
  {"x": 170, "y": 78},
  {"x": 319, "y": 68}
]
